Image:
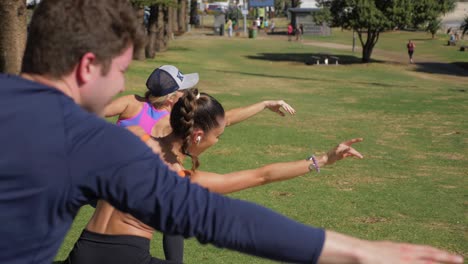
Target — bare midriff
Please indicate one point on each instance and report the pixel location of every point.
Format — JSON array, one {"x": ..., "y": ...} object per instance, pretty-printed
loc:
[{"x": 110, "y": 221}]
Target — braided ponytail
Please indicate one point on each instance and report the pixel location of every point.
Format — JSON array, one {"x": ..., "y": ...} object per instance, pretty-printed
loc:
[{"x": 194, "y": 110}]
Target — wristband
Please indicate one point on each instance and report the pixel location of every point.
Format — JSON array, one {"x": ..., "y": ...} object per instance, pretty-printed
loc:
[
  {"x": 145, "y": 138},
  {"x": 314, "y": 164}
]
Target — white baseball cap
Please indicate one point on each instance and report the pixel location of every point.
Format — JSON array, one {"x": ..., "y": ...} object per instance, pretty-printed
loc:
[{"x": 168, "y": 79}]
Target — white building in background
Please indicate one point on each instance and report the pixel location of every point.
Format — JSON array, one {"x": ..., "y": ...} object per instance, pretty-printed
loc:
[{"x": 308, "y": 4}]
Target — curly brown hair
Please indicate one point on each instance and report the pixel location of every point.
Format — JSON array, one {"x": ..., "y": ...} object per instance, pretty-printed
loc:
[
  {"x": 62, "y": 31},
  {"x": 194, "y": 110}
]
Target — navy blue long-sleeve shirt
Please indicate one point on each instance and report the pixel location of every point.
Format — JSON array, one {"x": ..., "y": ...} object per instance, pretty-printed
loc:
[{"x": 56, "y": 157}]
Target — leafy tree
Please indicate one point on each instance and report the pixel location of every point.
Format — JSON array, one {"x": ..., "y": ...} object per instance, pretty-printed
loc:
[
  {"x": 433, "y": 26},
  {"x": 464, "y": 26},
  {"x": 369, "y": 18},
  {"x": 430, "y": 10},
  {"x": 279, "y": 7}
]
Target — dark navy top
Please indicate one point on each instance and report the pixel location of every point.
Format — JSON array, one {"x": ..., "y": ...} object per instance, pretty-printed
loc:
[{"x": 56, "y": 157}]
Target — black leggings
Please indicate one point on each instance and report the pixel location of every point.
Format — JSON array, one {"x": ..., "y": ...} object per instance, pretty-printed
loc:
[
  {"x": 174, "y": 248},
  {"x": 93, "y": 248}
]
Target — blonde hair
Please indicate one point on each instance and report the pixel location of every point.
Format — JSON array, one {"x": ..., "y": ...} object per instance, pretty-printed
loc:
[{"x": 158, "y": 101}]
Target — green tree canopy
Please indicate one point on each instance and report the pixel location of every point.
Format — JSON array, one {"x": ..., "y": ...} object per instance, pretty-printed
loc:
[{"x": 371, "y": 17}]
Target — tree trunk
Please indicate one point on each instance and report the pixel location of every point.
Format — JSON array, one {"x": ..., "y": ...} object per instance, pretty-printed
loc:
[
  {"x": 366, "y": 53},
  {"x": 160, "y": 37},
  {"x": 193, "y": 12},
  {"x": 139, "y": 50},
  {"x": 368, "y": 46},
  {"x": 153, "y": 31},
  {"x": 169, "y": 24},
  {"x": 13, "y": 35},
  {"x": 175, "y": 18},
  {"x": 181, "y": 16}
]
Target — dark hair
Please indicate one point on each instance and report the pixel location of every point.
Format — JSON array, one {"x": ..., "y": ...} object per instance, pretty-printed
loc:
[
  {"x": 191, "y": 112},
  {"x": 62, "y": 31}
]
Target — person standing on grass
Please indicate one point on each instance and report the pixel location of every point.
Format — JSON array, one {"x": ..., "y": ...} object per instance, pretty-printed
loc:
[
  {"x": 229, "y": 27},
  {"x": 272, "y": 26},
  {"x": 290, "y": 31},
  {"x": 74, "y": 62},
  {"x": 298, "y": 32},
  {"x": 410, "y": 46},
  {"x": 165, "y": 86},
  {"x": 198, "y": 121}
]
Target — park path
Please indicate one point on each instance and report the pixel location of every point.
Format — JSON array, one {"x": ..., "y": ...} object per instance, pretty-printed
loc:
[{"x": 433, "y": 67}]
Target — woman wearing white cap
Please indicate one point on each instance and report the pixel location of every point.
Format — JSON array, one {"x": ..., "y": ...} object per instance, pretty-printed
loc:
[{"x": 165, "y": 84}]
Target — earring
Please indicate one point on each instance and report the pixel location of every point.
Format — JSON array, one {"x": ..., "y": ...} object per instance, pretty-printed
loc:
[{"x": 198, "y": 140}]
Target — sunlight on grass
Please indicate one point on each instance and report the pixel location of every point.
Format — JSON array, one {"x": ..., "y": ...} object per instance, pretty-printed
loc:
[{"x": 412, "y": 184}]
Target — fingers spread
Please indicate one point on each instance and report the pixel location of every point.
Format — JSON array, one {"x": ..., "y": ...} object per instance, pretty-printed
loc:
[
  {"x": 352, "y": 141},
  {"x": 353, "y": 152}
]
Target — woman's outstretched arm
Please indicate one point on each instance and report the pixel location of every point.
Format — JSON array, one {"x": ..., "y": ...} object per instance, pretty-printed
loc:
[
  {"x": 120, "y": 106},
  {"x": 237, "y": 115},
  {"x": 240, "y": 180}
]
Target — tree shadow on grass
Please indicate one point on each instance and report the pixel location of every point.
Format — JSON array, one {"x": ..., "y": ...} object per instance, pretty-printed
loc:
[
  {"x": 454, "y": 68},
  {"x": 309, "y": 58},
  {"x": 345, "y": 82}
]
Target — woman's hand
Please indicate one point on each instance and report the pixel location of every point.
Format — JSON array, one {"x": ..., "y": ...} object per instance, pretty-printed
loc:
[
  {"x": 339, "y": 152},
  {"x": 276, "y": 106}
]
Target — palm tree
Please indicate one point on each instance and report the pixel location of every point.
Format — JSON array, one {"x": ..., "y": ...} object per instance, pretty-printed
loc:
[{"x": 464, "y": 26}]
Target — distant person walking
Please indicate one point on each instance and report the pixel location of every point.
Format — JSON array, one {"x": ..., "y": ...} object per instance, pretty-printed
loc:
[
  {"x": 298, "y": 32},
  {"x": 290, "y": 31},
  {"x": 272, "y": 26},
  {"x": 410, "y": 46},
  {"x": 229, "y": 27}
]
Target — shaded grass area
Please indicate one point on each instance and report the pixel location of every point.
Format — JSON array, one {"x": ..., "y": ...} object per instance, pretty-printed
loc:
[{"x": 412, "y": 184}]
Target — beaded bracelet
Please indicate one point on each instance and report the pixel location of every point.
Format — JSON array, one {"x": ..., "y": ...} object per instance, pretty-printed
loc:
[{"x": 314, "y": 164}]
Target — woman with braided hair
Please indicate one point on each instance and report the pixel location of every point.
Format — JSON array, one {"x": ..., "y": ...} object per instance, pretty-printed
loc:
[{"x": 198, "y": 120}]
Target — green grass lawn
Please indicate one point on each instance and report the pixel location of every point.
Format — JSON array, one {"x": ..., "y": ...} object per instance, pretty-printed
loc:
[
  {"x": 412, "y": 185},
  {"x": 396, "y": 41}
]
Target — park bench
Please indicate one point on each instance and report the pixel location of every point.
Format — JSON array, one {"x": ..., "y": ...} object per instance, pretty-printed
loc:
[
  {"x": 334, "y": 58},
  {"x": 327, "y": 59},
  {"x": 316, "y": 59}
]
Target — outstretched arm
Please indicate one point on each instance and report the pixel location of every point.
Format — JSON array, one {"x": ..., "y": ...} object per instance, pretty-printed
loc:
[
  {"x": 237, "y": 115},
  {"x": 341, "y": 249},
  {"x": 236, "y": 181},
  {"x": 119, "y": 106}
]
